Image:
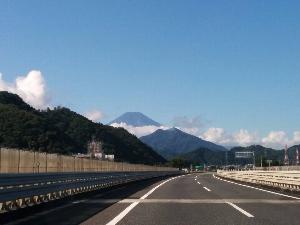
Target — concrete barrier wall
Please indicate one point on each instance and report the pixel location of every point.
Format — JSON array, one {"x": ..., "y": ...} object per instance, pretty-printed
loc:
[
  {"x": 279, "y": 168},
  {"x": 20, "y": 161},
  {"x": 289, "y": 180}
]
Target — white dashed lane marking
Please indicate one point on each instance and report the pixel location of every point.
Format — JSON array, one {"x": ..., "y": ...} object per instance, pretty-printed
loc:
[{"x": 206, "y": 188}]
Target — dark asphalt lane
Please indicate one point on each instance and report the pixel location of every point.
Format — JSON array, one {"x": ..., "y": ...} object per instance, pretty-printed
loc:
[
  {"x": 226, "y": 190},
  {"x": 185, "y": 201},
  {"x": 74, "y": 210},
  {"x": 184, "y": 188}
]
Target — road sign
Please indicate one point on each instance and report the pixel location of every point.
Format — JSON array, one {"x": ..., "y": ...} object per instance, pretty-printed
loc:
[
  {"x": 199, "y": 167},
  {"x": 244, "y": 155},
  {"x": 269, "y": 162}
]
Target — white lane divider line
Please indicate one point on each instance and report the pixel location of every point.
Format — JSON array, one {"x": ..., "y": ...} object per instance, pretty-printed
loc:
[
  {"x": 243, "y": 185},
  {"x": 119, "y": 217},
  {"x": 122, "y": 214},
  {"x": 79, "y": 201},
  {"x": 206, "y": 189},
  {"x": 198, "y": 182},
  {"x": 240, "y": 209}
]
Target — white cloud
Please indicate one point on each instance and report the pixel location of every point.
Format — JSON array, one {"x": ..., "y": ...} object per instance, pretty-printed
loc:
[
  {"x": 220, "y": 136},
  {"x": 138, "y": 131},
  {"x": 31, "y": 88},
  {"x": 275, "y": 139},
  {"x": 191, "y": 126},
  {"x": 193, "y": 130},
  {"x": 244, "y": 138},
  {"x": 217, "y": 135},
  {"x": 296, "y": 138},
  {"x": 94, "y": 115},
  {"x": 278, "y": 139},
  {"x": 183, "y": 121}
]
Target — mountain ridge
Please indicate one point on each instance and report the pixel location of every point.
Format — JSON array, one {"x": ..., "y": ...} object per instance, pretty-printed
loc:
[
  {"x": 173, "y": 141},
  {"x": 262, "y": 154}
]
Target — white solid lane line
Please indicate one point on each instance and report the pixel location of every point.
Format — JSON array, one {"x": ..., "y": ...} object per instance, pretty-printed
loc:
[
  {"x": 243, "y": 185},
  {"x": 122, "y": 214},
  {"x": 240, "y": 209},
  {"x": 206, "y": 189},
  {"x": 119, "y": 217}
]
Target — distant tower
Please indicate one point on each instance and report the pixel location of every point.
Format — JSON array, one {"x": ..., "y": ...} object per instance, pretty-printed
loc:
[
  {"x": 286, "y": 157},
  {"x": 297, "y": 156}
]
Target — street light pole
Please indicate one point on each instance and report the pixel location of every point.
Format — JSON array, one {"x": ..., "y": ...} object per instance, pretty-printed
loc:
[{"x": 253, "y": 160}]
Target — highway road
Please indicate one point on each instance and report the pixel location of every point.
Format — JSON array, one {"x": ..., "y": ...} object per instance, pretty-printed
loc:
[{"x": 183, "y": 200}]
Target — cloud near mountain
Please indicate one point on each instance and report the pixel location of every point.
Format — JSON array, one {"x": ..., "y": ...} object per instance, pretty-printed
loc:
[
  {"x": 94, "y": 115},
  {"x": 274, "y": 139},
  {"x": 139, "y": 131},
  {"x": 219, "y": 135},
  {"x": 137, "y": 123},
  {"x": 31, "y": 88},
  {"x": 242, "y": 137}
]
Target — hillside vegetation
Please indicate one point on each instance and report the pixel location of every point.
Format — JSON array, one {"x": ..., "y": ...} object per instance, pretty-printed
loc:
[
  {"x": 63, "y": 131},
  {"x": 262, "y": 154}
]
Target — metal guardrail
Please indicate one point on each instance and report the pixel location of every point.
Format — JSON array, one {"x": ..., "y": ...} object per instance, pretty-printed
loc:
[
  {"x": 23, "y": 190},
  {"x": 289, "y": 180}
]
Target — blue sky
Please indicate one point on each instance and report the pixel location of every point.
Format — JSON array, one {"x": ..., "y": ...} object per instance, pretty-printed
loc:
[{"x": 233, "y": 63}]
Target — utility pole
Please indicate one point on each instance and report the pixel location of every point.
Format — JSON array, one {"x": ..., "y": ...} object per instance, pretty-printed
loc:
[
  {"x": 253, "y": 160},
  {"x": 286, "y": 157},
  {"x": 297, "y": 156}
]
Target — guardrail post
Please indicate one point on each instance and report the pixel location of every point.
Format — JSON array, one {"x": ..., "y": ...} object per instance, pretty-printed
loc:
[
  {"x": 74, "y": 165},
  {"x": 90, "y": 167},
  {"x": 46, "y": 169},
  {"x": 33, "y": 165},
  {"x": 19, "y": 155}
]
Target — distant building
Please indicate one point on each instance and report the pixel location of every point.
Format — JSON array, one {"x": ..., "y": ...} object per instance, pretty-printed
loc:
[
  {"x": 109, "y": 157},
  {"x": 80, "y": 155},
  {"x": 95, "y": 150}
]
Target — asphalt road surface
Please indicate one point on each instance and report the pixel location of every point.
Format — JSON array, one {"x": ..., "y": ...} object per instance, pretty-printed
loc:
[{"x": 184, "y": 200}]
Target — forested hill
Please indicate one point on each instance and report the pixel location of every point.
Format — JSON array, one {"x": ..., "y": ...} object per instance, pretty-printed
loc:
[
  {"x": 262, "y": 154},
  {"x": 63, "y": 131}
]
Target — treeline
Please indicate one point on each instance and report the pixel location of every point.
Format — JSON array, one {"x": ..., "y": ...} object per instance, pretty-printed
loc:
[{"x": 209, "y": 157}]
